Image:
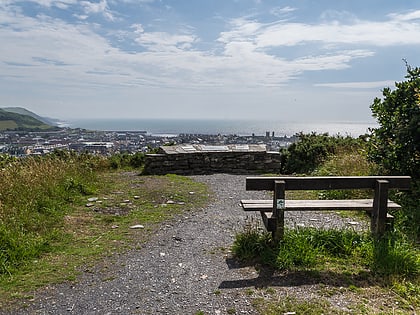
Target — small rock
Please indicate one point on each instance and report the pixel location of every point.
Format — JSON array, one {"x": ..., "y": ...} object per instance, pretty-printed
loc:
[
  {"x": 137, "y": 226},
  {"x": 89, "y": 205},
  {"x": 92, "y": 199},
  {"x": 136, "y": 197},
  {"x": 114, "y": 227},
  {"x": 170, "y": 202},
  {"x": 162, "y": 254},
  {"x": 353, "y": 223},
  {"x": 204, "y": 277},
  {"x": 191, "y": 192}
]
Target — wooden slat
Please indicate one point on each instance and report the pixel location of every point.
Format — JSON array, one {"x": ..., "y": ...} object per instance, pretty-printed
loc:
[
  {"x": 326, "y": 182},
  {"x": 313, "y": 205}
]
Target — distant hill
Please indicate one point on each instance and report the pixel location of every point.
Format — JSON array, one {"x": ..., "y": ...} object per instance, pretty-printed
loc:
[
  {"x": 17, "y": 118},
  {"x": 24, "y": 111}
]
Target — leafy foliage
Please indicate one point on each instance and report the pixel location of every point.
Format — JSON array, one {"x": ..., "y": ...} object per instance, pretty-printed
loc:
[
  {"x": 126, "y": 160},
  {"x": 395, "y": 144},
  {"x": 313, "y": 149}
]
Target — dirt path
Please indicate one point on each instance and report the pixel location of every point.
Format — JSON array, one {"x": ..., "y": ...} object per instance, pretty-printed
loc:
[{"x": 184, "y": 269}]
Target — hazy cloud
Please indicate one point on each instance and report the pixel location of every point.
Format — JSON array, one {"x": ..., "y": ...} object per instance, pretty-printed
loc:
[{"x": 358, "y": 85}]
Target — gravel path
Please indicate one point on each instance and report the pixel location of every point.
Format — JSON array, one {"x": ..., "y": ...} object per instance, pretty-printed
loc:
[{"x": 184, "y": 269}]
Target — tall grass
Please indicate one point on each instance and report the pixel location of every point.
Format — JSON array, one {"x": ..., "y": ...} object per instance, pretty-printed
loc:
[
  {"x": 315, "y": 248},
  {"x": 34, "y": 195}
]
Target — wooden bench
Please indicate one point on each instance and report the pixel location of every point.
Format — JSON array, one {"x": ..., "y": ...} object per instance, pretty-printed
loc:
[{"x": 377, "y": 207}]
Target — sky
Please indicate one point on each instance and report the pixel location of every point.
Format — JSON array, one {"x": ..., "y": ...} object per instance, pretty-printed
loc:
[{"x": 216, "y": 59}]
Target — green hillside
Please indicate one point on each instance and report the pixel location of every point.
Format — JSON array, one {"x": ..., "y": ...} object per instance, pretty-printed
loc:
[
  {"x": 15, "y": 121},
  {"x": 24, "y": 111}
]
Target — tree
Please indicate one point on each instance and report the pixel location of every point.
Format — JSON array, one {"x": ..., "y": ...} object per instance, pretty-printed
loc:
[{"x": 395, "y": 144}]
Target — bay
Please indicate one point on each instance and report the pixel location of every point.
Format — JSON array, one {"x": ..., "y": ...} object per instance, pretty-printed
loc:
[{"x": 224, "y": 127}]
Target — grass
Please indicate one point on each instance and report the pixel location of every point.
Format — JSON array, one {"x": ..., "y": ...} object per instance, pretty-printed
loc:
[
  {"x": 49, "y": 235},
  {"x": 356, "y": 263}
]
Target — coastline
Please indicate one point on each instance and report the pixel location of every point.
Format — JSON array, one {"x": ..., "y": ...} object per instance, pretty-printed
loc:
[{"x": 224, "y": 127}]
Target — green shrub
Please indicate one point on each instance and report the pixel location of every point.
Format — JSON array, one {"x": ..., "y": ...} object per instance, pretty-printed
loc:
[
  {"x": 305, "y": 155},
  {"x": 346, "y": 163},
  {"x": 394, "y": 145},
  {"x": 126, "y": 160}
]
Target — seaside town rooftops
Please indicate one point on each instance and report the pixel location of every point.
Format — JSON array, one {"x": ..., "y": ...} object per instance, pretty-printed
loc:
[{"x": 197, "y": 148}]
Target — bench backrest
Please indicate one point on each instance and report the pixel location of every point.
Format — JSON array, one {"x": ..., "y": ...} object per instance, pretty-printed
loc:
[{"x": 327, "y": 182}]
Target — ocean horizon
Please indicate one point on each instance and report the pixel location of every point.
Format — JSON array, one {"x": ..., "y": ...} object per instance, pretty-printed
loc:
[{"x": 224, "y": 127}]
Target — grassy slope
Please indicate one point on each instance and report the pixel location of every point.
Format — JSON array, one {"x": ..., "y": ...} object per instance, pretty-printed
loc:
[{"x": 12, "y": 121}]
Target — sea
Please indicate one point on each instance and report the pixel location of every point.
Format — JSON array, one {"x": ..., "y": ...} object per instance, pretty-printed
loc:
[{"x": 224, "y": 127}]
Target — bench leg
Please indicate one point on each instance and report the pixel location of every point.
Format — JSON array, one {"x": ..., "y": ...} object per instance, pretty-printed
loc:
[
  {"x": 278, "y": 209},
  {"x": 379, "y": 211}
]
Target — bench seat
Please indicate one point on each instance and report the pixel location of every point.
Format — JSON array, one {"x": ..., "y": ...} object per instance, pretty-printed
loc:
[
  {"x": 313, "y": 205},
  {"x": 377, "y": 207}
]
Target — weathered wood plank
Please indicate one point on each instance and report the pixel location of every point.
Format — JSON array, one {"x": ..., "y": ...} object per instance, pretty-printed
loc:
[
  {"x": 326, "y": 182},
  {"x": 313, "y": 205}
]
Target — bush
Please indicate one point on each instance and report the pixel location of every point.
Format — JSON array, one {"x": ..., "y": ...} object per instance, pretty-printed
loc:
[
  {"x": 346, "y": 164},
  {"x": 394, "y": 145},
  {"x": 126, "y": 160},
  {"x": 311, "y": 150}
]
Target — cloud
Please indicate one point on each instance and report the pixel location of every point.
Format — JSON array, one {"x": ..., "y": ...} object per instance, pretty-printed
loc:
[
  {"x": 362, "y": 33},
  {"x": 98, "y": 8},
  {"x": 413, "y": 15},
  {"x": 282, "y": 11},
  {"x": 56, "y": 52},
  {"x": 398, "y": 30},
  {"x": 357, "y": 85},
  {"x": 62, "y": 4},
  {"x": 162, "y": 41}
]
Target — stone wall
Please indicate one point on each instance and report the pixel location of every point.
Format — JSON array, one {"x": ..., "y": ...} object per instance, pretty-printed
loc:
[{"x": 189, "y": 162}]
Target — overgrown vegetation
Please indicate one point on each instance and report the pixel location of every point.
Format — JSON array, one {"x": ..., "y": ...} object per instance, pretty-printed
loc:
[
  {"x": 311, "y": 150},
  {"x": 395, "y": 145},
  {"x": 35, "y": 194},
  {"x": 47, "y": 231},
  {"x": 310, "y": 248}
]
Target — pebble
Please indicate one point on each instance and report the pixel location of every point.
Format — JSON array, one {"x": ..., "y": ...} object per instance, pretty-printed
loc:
[{"x": 137, "y": 226}]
